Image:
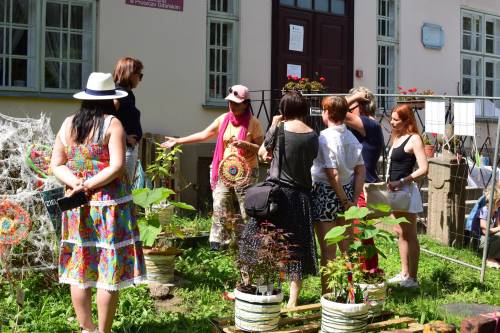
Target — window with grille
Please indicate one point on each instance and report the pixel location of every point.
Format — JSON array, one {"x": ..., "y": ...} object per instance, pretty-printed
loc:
[
  {"x": 480, "y": 58},
  {"x": 337, "y": 7},
  {"x": 387, "y": 44},
  {"x": 222, "y": 49},
  {"x": 46, "y": 46}
]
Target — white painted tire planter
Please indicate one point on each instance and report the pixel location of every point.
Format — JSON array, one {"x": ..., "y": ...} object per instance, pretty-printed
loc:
[
  {"x": 343, "y": 318},
  {"x": 256, "y": 313},
  {"x": 376, "y": 297}
]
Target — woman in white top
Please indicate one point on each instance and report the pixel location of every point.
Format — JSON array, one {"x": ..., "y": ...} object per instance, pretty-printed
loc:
[{"x": 338, "y": 166}]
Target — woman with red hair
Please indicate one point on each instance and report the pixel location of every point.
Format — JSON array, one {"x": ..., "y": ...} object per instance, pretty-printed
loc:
[{"x": 407, "y": 151}]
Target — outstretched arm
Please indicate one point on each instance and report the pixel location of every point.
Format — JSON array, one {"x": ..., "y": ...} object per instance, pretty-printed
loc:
[{"x": 210, "y": 132}]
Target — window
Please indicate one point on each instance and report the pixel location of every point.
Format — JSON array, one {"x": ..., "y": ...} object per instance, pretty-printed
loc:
[
  {"x": 387, "y": 44},
  {"x": 480, "y": 56},
  {"x": 46, "y": 46},
  {"x": 337, "y": 7},
  {"x": 222, "y": 49}
]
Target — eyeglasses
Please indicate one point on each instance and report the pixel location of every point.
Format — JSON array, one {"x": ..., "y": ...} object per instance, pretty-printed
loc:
[
  {"x": 140, "y": 76},
  {"x": 234, "y": 92}
]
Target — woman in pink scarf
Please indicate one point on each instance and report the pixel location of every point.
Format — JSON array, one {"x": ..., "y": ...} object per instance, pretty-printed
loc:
[{"x": 236, "y": 131}]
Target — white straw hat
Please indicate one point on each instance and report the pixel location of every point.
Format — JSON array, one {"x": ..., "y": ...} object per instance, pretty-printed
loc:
[{"x": 100, "y": 86}]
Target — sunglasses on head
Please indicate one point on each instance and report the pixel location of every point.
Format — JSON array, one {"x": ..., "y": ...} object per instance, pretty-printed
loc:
[{"x": 234, "y": 92}]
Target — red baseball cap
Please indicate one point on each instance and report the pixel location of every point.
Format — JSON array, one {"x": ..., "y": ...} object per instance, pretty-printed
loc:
[{"x": 238, "y": 94}]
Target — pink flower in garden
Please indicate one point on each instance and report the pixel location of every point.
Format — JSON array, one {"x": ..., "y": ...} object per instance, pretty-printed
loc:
[
  {"x": 289, "y": 77},
  {"x": 434, "y": 134},
  {"x": 322, "y": 79},
  {"x": 295, "y": 78},
  {"x": 412, "y": 90},
  {"x": 404, "y": 92}
]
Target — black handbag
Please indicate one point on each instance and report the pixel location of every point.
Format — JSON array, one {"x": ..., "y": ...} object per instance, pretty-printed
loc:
[{"x": 261, "y": 199}]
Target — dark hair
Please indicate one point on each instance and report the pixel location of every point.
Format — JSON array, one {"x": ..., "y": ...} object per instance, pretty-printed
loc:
[
  {"x": 293, "y": 105},
  {"x": 336, "y": 107},
  {"x": 90, "y": 117},
  {"x": 124, "y": 69}
]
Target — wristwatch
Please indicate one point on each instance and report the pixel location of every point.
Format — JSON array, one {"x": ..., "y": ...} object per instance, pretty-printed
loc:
[{"x": 402, "y": 181}]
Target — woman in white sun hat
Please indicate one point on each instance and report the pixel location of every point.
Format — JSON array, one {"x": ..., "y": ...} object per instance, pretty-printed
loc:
[
  {"x": 237, "y": 132},
  {"x": 100, "y": 244}
]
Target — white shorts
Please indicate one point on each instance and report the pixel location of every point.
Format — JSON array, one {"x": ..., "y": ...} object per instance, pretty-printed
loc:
[{"x": 415, "y": 198}]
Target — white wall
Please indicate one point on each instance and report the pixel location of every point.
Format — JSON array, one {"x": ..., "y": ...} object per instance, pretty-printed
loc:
[{"x": 419, "y": 67}]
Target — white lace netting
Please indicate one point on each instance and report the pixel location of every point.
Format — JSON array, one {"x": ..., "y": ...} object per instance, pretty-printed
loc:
[{"x": 20, "y": 184}]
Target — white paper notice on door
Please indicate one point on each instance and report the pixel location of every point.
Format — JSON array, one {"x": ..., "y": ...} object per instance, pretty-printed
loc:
[
  {"x": 465, "y": 118},
  {"x": 435, "y": 115},
  {"x": 296, "y": 42},
  {"x": 294, "y": 70}
]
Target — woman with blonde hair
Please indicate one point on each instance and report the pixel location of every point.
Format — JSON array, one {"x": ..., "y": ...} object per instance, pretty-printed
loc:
[{"x": 407, "y": 151}]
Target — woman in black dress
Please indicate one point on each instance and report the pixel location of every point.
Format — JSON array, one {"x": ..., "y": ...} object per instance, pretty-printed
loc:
[{"x": 294, "y": 217}]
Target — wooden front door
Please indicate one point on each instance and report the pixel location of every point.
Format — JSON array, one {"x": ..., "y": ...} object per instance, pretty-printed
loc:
[{"x": 327, "y": 44}]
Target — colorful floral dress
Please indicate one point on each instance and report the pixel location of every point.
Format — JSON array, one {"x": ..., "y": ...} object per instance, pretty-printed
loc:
[{"x": 100, "y": 244}]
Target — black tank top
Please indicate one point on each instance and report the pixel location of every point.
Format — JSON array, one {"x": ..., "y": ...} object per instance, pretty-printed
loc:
[{"x": 402, "y": 163}]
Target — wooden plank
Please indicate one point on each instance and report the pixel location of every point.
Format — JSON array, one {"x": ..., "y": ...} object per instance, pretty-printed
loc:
[
  {"x": 307, "y": 328},
  {"x": 299, "y": 319},
  {"x": 302, "y": 308},
  {"x": 415, "y": 328},
  {"x": 388, "y": 323}
]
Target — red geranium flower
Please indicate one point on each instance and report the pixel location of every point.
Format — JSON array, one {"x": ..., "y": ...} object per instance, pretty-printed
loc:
[
  {"x": 412, "y": 90},
  {"x": 295, "y": 78},
  {"x": 289, "y": 77},
  {"x": 322, "y": 79}
]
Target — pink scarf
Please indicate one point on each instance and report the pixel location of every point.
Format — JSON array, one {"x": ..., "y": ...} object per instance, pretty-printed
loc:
[{"x": 243, "y": 121}]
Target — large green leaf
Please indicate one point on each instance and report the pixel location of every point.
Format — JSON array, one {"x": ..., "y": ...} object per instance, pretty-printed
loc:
[
  {"x": 369, "y": 232},
  {"x": 146, "y": 197},
  {"x": 385, "y": 235},
  {"x": 355, "y": 213},
  {"x": 370, "y": 251},
  {"x": 382, "y": 254},
  {"x": 380, "y": 207},
  {"x": 335, "y": 235},
  {"x": 148, "y": 231},
  {"x": 393, "y": 221},
  {"x": 182, "y": 205}
]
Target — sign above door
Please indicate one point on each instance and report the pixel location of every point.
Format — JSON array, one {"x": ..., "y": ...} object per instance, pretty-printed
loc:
[{"x": 177, "y": 5}]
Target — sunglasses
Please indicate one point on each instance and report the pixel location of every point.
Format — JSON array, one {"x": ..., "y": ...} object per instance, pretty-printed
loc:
[{"x": 234, "y": 92}]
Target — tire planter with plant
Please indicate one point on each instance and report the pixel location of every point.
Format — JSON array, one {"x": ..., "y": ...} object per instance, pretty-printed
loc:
[
  {"x": 257, "y": 313},
  {"x": 376, "y": 297},
  {"x": 342, "y": 317},
  {"x": 159, "y": 266}
]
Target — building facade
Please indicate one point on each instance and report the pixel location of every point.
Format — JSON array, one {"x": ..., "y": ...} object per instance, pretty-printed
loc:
[{"x": 193, "y": 50}]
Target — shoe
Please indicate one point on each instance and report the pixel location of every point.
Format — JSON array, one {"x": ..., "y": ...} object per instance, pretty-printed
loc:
[
  {"x": 409, "y": 282},
  {"x": 492, "y": 264},
  {"x": 397, "y": 279},
  {"x": 215, "y": 246}
]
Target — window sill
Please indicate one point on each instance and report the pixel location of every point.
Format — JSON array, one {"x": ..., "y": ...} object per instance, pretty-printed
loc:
[
  {"x": 215, "y": 104},
  {"x": 33, "y": 94}
]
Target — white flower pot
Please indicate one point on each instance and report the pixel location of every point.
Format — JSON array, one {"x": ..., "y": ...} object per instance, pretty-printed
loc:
[
  {"x": 343, "y": 318},
  {"x": 376, "y": 297},
  {"x": 256, "y": 313}
]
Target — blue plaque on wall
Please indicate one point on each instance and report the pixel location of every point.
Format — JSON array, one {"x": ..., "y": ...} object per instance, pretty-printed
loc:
[{"x": 432, "y": 36}]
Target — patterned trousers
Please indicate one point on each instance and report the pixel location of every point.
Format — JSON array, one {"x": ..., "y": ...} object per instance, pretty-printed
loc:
[{"x": 229, "y": 209}]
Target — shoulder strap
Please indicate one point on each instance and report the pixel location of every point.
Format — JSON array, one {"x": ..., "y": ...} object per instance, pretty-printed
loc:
[
  {"x": 99, "y": 136},
  {"x": 388, "y": 169},
  {"x": 281, "y": 142}
]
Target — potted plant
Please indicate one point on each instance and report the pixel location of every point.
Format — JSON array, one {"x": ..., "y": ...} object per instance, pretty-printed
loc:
[
  {"x": 158, "y": 255},
  {"x": 304, "y": 84},
  {"x": 410, "y": 97},
  {"x": 429, "y": 147},
  {"x": 160, "y": 172},
  {"x": 258, "y": 296},
  {"x": 353, "y": 289}
]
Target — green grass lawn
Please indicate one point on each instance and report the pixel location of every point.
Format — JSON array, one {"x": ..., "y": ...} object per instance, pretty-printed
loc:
[{"x": 47, "y": 306}]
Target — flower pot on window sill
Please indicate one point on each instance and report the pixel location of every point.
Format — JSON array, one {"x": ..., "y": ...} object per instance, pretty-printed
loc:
[
  {"x": 414, "y": 103},
  {"x": 429, "y": 150}
]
